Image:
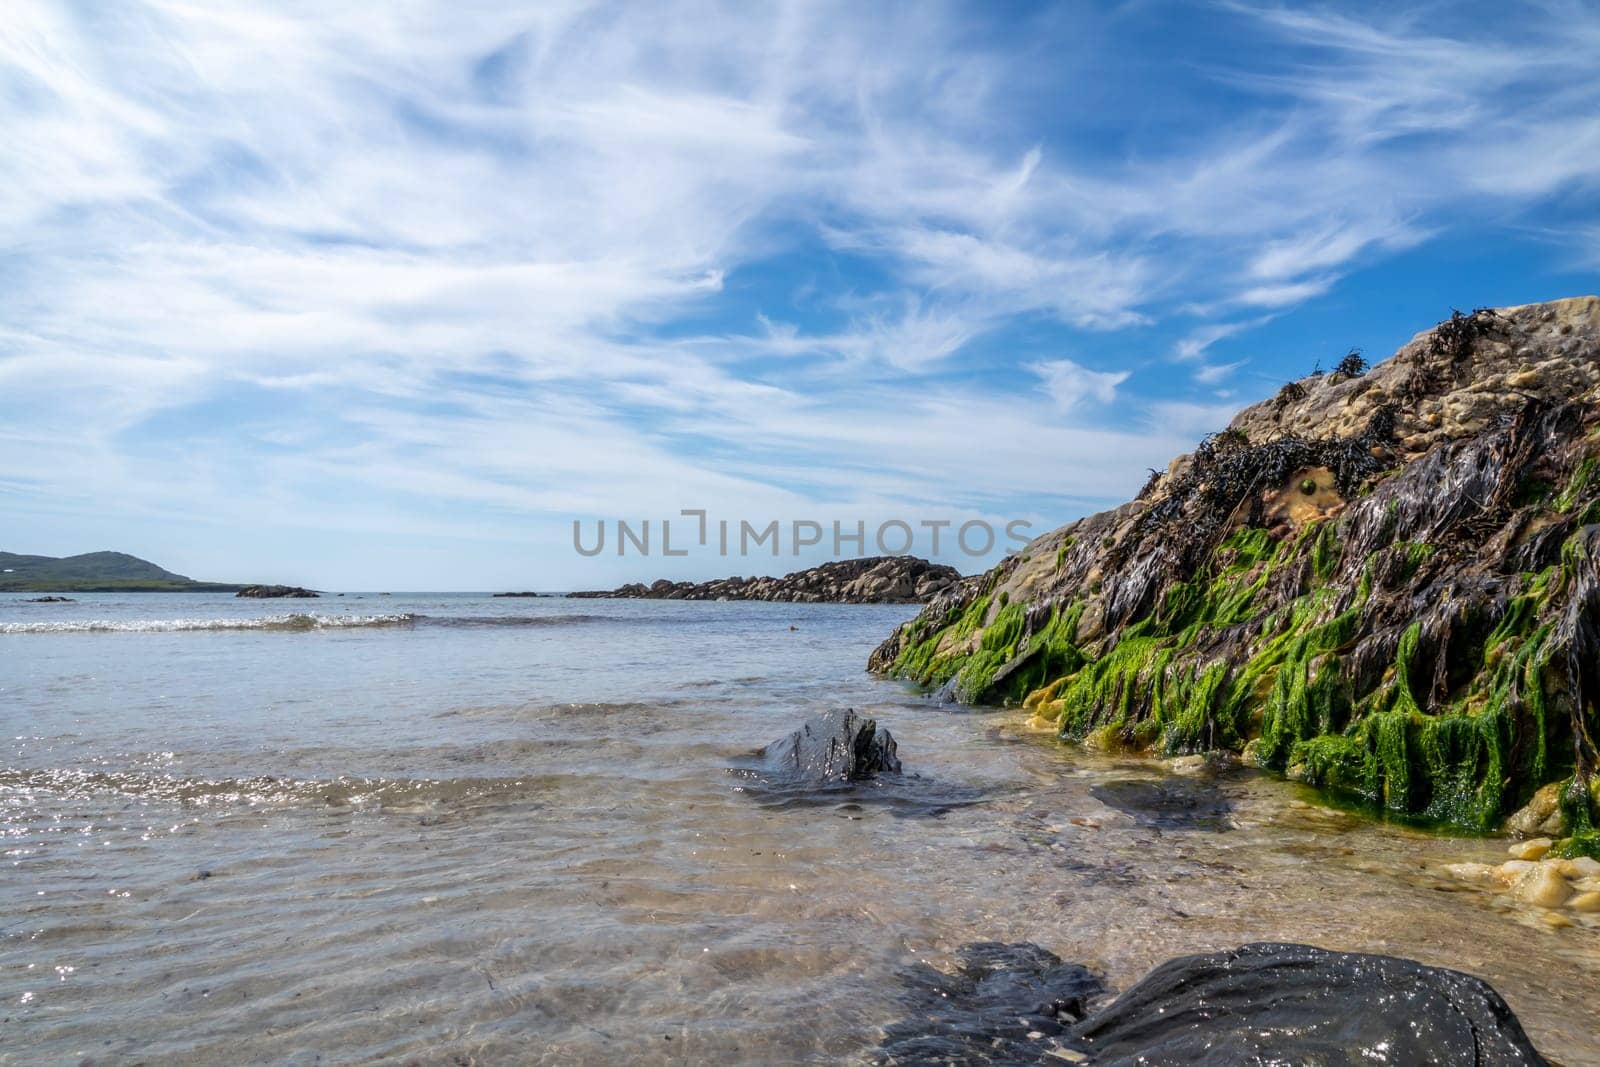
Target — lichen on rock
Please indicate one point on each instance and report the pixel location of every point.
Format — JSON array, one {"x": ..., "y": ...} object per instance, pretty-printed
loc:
[{"x": 1383, "y": 584}]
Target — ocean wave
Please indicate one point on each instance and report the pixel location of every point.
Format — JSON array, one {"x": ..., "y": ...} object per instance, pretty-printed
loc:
[
  {"x": 295, "y": 623},
  {"x": 514, "y": 620},
  {"x": 291, "y": 623}
]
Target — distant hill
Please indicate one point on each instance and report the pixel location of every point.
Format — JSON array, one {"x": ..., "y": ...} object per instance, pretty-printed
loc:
[{"x": 96, "y": 572}]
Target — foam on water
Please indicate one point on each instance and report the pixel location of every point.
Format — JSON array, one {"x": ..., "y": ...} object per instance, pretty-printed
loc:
[{"x": 293, "y": 622}]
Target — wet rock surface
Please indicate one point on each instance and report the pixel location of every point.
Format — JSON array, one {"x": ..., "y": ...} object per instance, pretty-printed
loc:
[
  {"x": 1167, "y": 804},
  {"x": 1260, "y": 1003},
  {"x": 1004, "y": 1004},
  {"x": 1555, "y": 890},
  {"x": 836, "y": 746},
  {"x": 1280, "y": 1003},
  {"x": 845, "y": 763},
  {"x": 1384, "y": 583},
  {"x": 876, "y": 580}
]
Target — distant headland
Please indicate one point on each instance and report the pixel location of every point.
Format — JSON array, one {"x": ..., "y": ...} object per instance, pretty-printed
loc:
[{"x": 96, "y": 572}]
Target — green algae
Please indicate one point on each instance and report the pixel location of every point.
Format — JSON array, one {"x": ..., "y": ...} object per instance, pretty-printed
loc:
[{"x": 1374, "y": 656}]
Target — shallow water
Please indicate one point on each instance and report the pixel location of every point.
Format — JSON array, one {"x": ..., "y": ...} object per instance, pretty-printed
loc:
[{"x": 457, "y": 829}]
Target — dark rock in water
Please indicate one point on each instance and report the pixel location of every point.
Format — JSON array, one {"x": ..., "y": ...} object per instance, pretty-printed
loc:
[
  {"x": 51, "y": 600},
  {"x": 1174, "y": 804},
  {"x": 836, "y": 746},
  {"x": 1004, "y": 1004},
  {"x": 522, "y": 594},
  {"x": 1258, "y": 1004},
  {"x": 268, "y": 591},
  {"x": 1277, "y": 1003},
  {"x": 872, "y": 580},
  {"x": 847, "y": 763}
]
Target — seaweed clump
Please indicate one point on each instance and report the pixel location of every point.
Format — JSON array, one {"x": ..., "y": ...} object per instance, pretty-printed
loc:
[{"x": 1353, "y": 365}]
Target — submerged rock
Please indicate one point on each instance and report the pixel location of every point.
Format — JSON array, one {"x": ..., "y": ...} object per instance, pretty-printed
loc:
[
  {"x": 1535, "y": 849},
  {"x": 836, "y": 746},
  {"x": 1173, "y": 804},
  {"x": 1541, "y": 815},
  {"x": 1379, "y": 582},
  {"x": 51, "y": 600},
  {"x": 873, "y": 580},
  {"x": 1004, "y": 1004},
  {"x": 1279, "y": 1003},
  {"x": 270, "y": 591}
]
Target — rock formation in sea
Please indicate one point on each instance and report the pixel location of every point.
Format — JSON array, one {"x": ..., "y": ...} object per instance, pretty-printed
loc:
[
  {"x": 836, "y": 746},
  {"x": 1381, "y": 582},
  {"x": 271, "y": 591},
  {"x": 1258, "y": 1003},
  {"x": 873, "y": 580}
]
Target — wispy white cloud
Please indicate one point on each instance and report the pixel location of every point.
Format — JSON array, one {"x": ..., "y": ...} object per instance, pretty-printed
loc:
[
  {"x": 1213, "y": 373},
  {"x": 1070, "y": 384}
]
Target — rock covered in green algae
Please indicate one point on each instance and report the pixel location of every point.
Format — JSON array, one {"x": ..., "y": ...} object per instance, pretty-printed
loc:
[{"x": 1385, "y": 584}]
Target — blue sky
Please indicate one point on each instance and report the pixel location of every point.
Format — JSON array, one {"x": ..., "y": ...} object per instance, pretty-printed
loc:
[{"x": 386, "y": 296}]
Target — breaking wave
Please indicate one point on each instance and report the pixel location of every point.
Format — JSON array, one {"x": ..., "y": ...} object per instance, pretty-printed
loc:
[{"x": 294, "y": 623}]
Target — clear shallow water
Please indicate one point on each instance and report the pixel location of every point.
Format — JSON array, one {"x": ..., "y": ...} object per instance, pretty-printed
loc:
[{"x": 466, "y": 829}]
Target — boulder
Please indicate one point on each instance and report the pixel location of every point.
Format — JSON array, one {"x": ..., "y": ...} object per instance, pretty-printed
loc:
[
  {"x": 274, "y": 591},
  {"x": 836, "y": 746},
  {"x": 1281, "y": 1003},
  {"x": 1383, "y": 583},
  {"x": 1540, "y": 816}
]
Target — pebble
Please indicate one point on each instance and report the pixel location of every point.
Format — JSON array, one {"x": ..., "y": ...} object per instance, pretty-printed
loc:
[
  {"x": 1530, "y": 850},
  {"x": 1582, "y": 867},
  {"x": 1470, "y": 872},
  {"x": 1585, "y": 902},
  {"x": 1543, "y": 887},
  {"x": 1555, "y": 918},
  {"x": 1511, "y": 870}
]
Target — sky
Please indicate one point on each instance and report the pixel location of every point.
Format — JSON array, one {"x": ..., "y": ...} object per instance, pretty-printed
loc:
[{"x": 388, "y": 296}]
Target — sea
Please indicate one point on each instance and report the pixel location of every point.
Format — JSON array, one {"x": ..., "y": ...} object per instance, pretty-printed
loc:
[{"x": 458, "y": 829}]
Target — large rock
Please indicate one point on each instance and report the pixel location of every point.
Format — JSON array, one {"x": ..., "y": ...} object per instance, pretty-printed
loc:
[
  {"x": 1276, "y": 1003},
  {"x": 873, "y": 580},
  {"x": 274, "y": 591},
  {"x": 836, "y": 746},
  {"x": 1381, "y": 582},
  {"x": 1259, "y": 1004}
]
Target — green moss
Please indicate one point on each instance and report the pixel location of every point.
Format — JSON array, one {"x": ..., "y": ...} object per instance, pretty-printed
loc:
[
  {"x": 1577, "y": 485},
  {"x": 920, "y": 659},
  {"x": 1586, "y": 843},
  {"x": 1268, "y": 644}
]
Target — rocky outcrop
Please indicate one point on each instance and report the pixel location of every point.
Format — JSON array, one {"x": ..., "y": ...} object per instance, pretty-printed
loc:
[
  {"x": 50, "y": 600},
  {"x": 1383, "y": 582},
  {"x": 522, "y": 594},
  {"x": 875, "y": 580},
  {"x": 1275, "y": 1003},
  {"x": 274, "y": 591},
  {"x": 1260, "y": 1003},
  {"x": 836, "y": 746}
]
